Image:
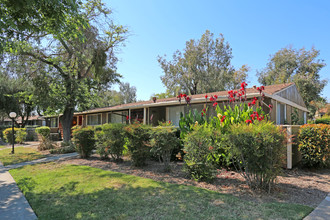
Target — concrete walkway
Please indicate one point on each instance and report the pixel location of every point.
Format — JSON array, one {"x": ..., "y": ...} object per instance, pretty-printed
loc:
[
  {"x": 13, "y": 204},
  {"x": 322, "y": 211}
]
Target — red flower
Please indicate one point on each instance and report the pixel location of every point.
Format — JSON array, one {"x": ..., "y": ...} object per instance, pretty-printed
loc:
[
  {"x": 253, "y": 102},
  {"x": 223, "y": 118},
  {"x": 270, "y": 106},
  {"x": 211, "y": 99},
  {"x": 202, "y": 113},
  {"x": 215, "y": 104},
  {"x": 206, "y": 96},
  {"x": 254, "y": 98},
  {"x": 215, "y": 96},
  {"x": 249, "y": 104},
  {"x": 181, "y": 95},
  {"x": 258, "y": 88},
  {"x": 262, "y": 88},
  {"x": 127, "y": 117},
  {"x": 184, "y": 95},
  {"x": 248, "y": 121},
  {"x": 230, "y": 92},
  {"x": 204, "y": 110}
]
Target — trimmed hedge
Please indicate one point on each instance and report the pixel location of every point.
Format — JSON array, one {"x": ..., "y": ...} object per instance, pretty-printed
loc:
[
  {"x": 84, "y": 140},
  {"x": 44, "y": 131},
  {"x": 20, "y": 135},
  {"x": 138, "y": 136},
  {"x": 323, "y": 120},
  {"x": 314, "y": 145}
]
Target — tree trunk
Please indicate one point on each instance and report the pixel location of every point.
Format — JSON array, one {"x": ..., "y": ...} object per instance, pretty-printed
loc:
[{"x": 66, "y": 121}]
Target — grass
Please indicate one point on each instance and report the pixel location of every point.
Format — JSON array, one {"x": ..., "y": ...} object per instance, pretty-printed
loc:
[
  {"x": 22, "y": 154},
  {"x": 80, "y": 192}
]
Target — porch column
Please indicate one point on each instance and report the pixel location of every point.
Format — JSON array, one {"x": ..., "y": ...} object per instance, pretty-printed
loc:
[
  {"x": 144, "y": 116},
  {"x": 129, "y": 116},
  {"x": 289, "y": 147},
  {"x": 148, "y": 115}
]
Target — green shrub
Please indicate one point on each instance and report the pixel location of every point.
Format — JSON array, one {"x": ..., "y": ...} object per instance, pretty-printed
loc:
[
  {"x": 138, "y": 136},
  {"x": 323, "y": 120},
  {"x": 84, "y": 139},
  {"x": 44, "y": 131},
  {"x": 163, "y": 142},
  {"x": 111, "y": 141},
  {"x": 314, "y": 145},
  {"x": 259, "y": 150},
  {"x": 2, "y": 128},
  {"x": 20, "y": 135},
  {"x": 200, "y": 146}
]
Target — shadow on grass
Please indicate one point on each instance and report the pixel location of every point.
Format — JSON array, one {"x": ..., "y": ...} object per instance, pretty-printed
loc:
[{"x": 137, "y": 198}]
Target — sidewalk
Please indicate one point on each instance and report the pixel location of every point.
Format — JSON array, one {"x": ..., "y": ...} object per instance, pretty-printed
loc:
[
  {"x": 322, "y": 211},
  {"x": 13, "y": 204}
]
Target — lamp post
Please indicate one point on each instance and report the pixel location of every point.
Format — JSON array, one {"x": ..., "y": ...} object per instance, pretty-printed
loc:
[{"x": 13, "y": 115}]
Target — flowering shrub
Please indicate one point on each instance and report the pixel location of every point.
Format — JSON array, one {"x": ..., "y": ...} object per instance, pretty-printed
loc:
[
  {"x": 314, "y": 145},
  {"x": 188, "y": 121},
  {"x": 84, "y": 140},
  {"x": 138, "y": 136},
  {"x": 258, "y": 149},
  {"x": 200, "y": 146},
  {"x": 111, "y": 141},
  {"x": 163, "y": 142}
]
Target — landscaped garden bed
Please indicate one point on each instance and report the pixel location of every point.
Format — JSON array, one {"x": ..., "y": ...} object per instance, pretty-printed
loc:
[{"x": 66, "y": 191}]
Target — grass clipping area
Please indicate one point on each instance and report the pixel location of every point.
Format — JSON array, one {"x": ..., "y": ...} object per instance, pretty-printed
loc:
[
  {"x": 22, "y": 154},
  {"x": 81, "y": 192}
]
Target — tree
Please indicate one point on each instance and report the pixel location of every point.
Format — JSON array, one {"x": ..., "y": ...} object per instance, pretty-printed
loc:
[
  {"x": 126, "y": 94},
  {"x": 20, "y": 19},
  {"x": 203, "y": 66},
  {"x": 299, "y": 66},
  {"x": 80, "y": 57}
]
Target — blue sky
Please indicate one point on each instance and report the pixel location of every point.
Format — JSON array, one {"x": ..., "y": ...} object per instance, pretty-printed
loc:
[{"x": 254, "y": 30}]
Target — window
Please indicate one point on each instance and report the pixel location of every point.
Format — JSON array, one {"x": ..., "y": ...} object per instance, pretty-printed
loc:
[
  {"x": 53, "y": 123},
  {"x": 94, "y": 119},
  {"x": 305, "y": 118},
  {"x": 280, "y": 113},
  {"x": 175, "y": 113},
  {"x": 117, "y": 117}
]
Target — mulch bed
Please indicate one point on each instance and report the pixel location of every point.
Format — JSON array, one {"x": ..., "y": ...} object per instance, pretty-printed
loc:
[{"x": 306, "y": 187}]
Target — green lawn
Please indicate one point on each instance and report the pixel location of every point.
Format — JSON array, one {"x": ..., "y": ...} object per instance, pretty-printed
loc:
[
  {"x": 22, "y": 154},
  {"x": 81, "y": 192}
]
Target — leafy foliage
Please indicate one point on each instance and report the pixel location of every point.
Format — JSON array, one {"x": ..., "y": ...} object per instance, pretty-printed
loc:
[
  {"x": 20, "y": 135},
  {"x": 138, "y": 136},
  {"x": 111, "y": 141},
  {"x": 163, "y": 142},
  {"x": 44, "y": 131},
  {"x": 314, "y": 145},
  {"x": 258, "y": 149},
  {"x": 203, "y": 66},
  {"x": 66, "y": 147},
  {"x": 84, "y": 140},
  {"x": 200, "y": 146},
  {"x": 323, "y": 120},
  {"x": 299, "y": 66}
]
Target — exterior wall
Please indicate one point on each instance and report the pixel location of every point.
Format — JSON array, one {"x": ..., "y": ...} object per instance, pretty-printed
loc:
[
  {"x": 292, "y": 94},
  {"x": 104, "y": 118},
  {"x": 288, "y": 114}
]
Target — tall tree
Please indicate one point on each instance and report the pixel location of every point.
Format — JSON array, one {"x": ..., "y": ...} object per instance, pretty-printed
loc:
[
  {"x": 203, "y": 66},
  {"x": 299, "y": 66},
  {"x": 127, "y": 92},
  {"x": 80, "y": 55}
]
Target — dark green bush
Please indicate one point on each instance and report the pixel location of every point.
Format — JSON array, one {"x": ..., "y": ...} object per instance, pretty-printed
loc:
[
  {"x": 84, "y": 140},
  {"x": 259, "y": 151},
  {"x": 111, "y": 141},
  {"x": 44, "y": 131},
  {"x": 163, "y": 142},
  {"x": 138, "y": 136},
  {"x": 323, "y": 120},
  {"x": 314, "y": 145},
  {"x": 200, "y": 146}
]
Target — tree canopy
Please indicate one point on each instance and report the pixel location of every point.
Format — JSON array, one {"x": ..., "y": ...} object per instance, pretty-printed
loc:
[
  {"x": 80, "y": 57},
  {"x": 300, "y": 66},
  {"x": 203, "y": 66}
]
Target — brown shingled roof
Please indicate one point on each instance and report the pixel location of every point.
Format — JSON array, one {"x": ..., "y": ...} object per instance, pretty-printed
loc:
[{"x": 270, "y": 90}]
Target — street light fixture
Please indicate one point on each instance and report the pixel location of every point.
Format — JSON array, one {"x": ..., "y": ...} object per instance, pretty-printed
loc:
[{"x": 13, "y": 115}]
